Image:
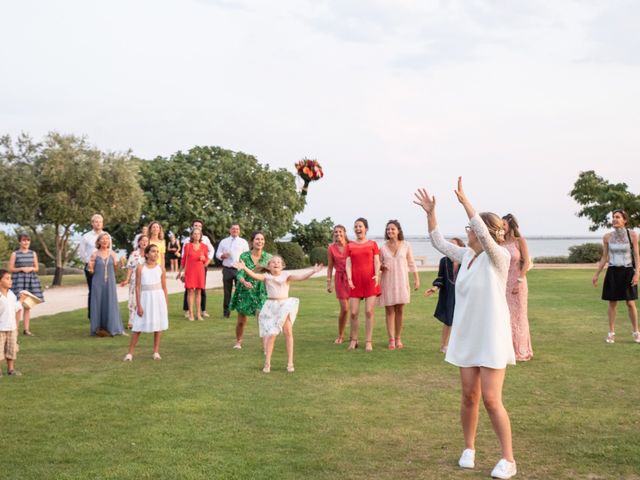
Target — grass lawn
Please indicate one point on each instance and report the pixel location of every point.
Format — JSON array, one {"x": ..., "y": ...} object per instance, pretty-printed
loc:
[{"x": 206, "y": 411}]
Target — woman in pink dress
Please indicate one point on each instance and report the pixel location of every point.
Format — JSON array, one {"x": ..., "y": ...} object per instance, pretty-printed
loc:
[
  {"x": 337, "y": 260},
  {"x": 517, "y": 289},
  {"x": 192, "y": 270},
  {"x": 396, "y": 258},
  {"x": 363, "y": 265}
]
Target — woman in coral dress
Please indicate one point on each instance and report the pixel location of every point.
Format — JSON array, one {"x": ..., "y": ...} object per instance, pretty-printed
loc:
[
  {"x": 363, "y": 265},
  {"x": 397, "y": 261},
  {"x": 337, "y": 260},
  {"x": 517, "y": 289},
  {"x": 192, "y": 270}
]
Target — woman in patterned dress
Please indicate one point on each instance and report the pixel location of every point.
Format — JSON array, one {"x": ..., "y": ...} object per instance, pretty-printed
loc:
[
  {"x": 363, "y": 267},
  {"x": 396, "y": 258},
  {"x": 23, "y": 265},
  {"x": 250, "y": 294},
  {"x": 517, "y": 288},
  {"x": 337, "y": 260},
  {"x": 136, "y": 258}
]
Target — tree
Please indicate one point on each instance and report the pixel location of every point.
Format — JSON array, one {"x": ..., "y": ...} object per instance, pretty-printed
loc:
[
  {"x": 599, "y": 198},
  {"x": 314, "y": 234},
  {"x": 61, "y": 183},
  {"x": 220, "y": 187}
]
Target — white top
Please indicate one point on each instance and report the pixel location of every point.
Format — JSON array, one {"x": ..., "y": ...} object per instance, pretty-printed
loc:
[
  {"x": 233, "y": 245},
  {"x": 204, "y": 240},
  {"x": 88, "y": 245},
  {"x": 481, "y": 330},
  {"x": 619, "y": 249},
  {"x": 9, "y": 306},
  {"x": 277, "y": 287}
]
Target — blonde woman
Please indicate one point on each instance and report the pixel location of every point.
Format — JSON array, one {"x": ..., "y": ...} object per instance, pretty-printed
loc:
[
  {"x": 480, "y": 343},
  {"x": 156, "y": 237},
  {"x": 337, "y": 262}
]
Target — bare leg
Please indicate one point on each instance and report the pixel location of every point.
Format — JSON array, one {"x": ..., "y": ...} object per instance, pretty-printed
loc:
[
  {"x": 198, "y": 294},
  {"x": 134, "y": 341},
  {"x": 444, "y": 341},
  {"x": 288, "y": 336},
  {"x": 633, "y": 314},
  {"x": 612, "y": 316},
  {"x": 190, "y": 296},
  {"x": 399, "y": 316},
  {"x": 491, "y": 384},
  {"x": 389, "y": 317},
  {"x": 10, "y": 364},
  {"x": 269, "y": 342},
  {"x": 26, "y": 319},
  {"x": 342, "y": 318},
  {"x": 156, "y": 342},
  {"x": 369, "y": 305},
  {"x": 242, "y": 321},
  {"x": 470, "y": 377},
  {"x": 354, "y": 308}
]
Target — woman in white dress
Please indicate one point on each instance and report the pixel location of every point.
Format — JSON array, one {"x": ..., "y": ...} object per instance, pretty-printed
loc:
[
  {"x": 151, "y": 302},
  {"x": 480, "y": 343}
]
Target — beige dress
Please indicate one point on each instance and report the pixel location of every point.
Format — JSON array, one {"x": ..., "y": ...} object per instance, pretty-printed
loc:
[{"x": 394, "y": 281}]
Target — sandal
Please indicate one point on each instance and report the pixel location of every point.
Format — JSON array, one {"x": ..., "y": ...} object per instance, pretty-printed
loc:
[
  {"x": 353, "y": 344},
  {"x": 392, "y": 344},
  {"x": 290, "y": 368},
  {"x": 611, "y": 337},
  {"x": 266, "y": 369},
  {"x": 399, "y": 344},
  {"x": 27, "y": 333},
  {"x": 636, "y": 336},
  {"x": 339, "y": 340},
  {"x": 368, "y": 346}
]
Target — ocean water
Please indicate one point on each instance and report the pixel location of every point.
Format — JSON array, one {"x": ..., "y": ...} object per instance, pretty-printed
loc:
[{"x": 538, "y": 246}]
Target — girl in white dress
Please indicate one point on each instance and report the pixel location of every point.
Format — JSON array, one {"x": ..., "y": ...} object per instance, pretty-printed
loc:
[
  {"x": 151, "y": 302},
  {"x": 480, "y": 341},
  {"x": 279, "y": 311}
]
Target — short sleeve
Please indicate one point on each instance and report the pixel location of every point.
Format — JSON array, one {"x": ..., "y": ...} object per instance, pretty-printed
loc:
[{"x": 375, "y": 248}]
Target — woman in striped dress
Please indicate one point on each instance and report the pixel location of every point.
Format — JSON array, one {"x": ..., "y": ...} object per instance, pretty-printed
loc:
[{"x": 23, "y": 265}]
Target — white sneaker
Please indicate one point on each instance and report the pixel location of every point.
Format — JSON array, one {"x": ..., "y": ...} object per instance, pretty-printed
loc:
[
  {"x": 237, "y": 346},
  {"x": 504, "y": 469},
  {"x": 156, "y": 356},
  {"x": 128, "y": 357},
  {"x": 636, "y": 337},
  {"x": 468, "y": 458}
]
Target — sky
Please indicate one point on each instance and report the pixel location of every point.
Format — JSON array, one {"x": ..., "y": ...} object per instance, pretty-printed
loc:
[{"x": 517, "y": 97}]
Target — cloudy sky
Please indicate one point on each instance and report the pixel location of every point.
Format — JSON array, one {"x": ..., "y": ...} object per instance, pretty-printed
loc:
[{"x": 389, "y": 95}]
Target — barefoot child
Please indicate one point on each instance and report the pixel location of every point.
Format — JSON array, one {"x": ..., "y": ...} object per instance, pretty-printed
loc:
[
  {"x": 279, "y": 311},
  {"x": 23, "y": 265},
  {"x": 151, "y": 302},
  {"x": 9, "y": 308}
]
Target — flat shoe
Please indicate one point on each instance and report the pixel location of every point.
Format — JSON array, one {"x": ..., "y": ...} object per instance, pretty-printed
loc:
[
  {"x": 266, "y": 369},
  {"x": 156, "y": 356},
  {"x": 290, "y": 369},
  {"x": 128, "y": 358}
]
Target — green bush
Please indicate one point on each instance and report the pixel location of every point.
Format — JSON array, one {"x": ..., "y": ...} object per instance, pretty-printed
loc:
[
  {"x": 292, "y": 254},
  {"x": 585, "y": 253},
  {"x": 318, "y": 255},
  {"x": 551, "y": 260}
]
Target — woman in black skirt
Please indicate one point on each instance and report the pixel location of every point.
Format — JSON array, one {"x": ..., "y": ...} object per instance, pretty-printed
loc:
[
  {"x": 620, "y": 253},
  {"x": 445, "y": 284}
]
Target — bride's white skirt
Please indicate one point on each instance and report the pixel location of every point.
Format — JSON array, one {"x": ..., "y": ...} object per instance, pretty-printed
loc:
[{"x": 274, "y": 313}]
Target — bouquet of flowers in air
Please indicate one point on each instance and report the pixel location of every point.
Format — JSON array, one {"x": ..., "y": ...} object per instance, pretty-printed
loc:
[{"x": 309, "y": 171}]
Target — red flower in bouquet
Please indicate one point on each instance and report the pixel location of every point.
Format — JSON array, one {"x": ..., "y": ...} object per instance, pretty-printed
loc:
[{"x": 310, "y": 171}]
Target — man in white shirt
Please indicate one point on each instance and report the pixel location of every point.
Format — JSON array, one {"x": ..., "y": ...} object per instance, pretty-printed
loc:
[
  {"x": 211, "y": 250},
  {"x": 86, "y": 249},
  {"x": 229, "y": 252}
]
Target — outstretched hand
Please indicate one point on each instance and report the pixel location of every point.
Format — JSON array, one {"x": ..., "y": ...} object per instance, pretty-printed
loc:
[
  {"x": 428, "y": 203},
  {"x": 317, "y": 267},
  {"x": 462, "y": 197}
]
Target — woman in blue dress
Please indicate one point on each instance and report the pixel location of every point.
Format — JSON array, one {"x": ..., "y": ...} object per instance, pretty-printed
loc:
[
  {"x": 23, "y": 265},
  {"x": 105, "y": 315}
]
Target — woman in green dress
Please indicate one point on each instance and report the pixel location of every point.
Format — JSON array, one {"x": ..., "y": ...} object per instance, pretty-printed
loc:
[{"x": 250, "y": 294}]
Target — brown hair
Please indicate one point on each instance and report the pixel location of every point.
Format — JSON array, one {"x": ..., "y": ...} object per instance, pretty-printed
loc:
[
  {"x": 514, "y": 227},
  {"x": 195, "y": 230},
  {"x": 624, "y": 215},
  {"x": 397, "y": 224},
  {"x": 344, "y": 230},
  {"x": 160, "y": 233},
  {"x": 494, "y": 224},
  {"x": 458, "y": 241},
  {"x": 99, "y": 237}
]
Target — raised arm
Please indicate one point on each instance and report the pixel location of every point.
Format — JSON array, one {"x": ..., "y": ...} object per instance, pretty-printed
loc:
[
  {"x": 296, "y": 278},
  {"x": 240, "y": 265}
]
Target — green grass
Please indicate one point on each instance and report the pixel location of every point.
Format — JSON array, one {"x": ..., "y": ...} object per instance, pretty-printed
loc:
[{"x": 207, "y": 411}]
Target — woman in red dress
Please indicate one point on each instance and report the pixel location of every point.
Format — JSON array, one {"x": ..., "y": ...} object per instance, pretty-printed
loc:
[
  {"x": 363, "y": 267},
  {"x": 192, "y": 270},
  {"x": 337, "y": 259}
]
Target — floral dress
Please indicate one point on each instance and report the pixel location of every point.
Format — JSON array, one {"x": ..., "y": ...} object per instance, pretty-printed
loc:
[
  {"x": 248, "y": 301},
  {"x": 134, "y": 260}
]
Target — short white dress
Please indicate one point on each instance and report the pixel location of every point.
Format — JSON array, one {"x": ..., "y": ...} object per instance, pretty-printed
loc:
[
  {"x": 274, "y": 313},
  {"x": 155, "y": 316},
  {"x": 481, "y": 331}
]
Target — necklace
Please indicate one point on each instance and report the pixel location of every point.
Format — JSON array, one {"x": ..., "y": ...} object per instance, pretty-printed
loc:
[{"x": 473, "y": 259}]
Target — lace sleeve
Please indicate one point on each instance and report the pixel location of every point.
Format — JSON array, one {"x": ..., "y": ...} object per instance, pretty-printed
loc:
[
  {"x": 498, "y": 255},
  {"x": 454, "y": 252}
]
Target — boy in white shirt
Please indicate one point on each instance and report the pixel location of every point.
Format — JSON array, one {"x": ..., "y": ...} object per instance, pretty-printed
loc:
[{"x": 9, "y": 307}]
